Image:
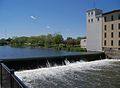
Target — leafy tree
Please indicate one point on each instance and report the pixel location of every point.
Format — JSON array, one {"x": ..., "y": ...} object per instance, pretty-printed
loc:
[
  {"x": 49, "y": 40},
  {"x": 41, "y": 40},
  {"x": 3, "y": 42},
  {"x": 19, "y": 41},
  {"x": 70, "y": 41},
  {"x": 58, "y": 38}
]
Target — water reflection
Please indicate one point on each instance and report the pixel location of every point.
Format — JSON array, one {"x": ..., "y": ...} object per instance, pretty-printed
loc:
[{"x": 11, "y": 52}]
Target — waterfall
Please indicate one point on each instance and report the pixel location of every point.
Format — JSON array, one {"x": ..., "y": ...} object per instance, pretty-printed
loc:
[{"x": 73, "y": 75}]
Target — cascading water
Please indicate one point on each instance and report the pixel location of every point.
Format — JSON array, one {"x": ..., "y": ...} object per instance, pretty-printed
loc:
[{"x": 95, "y": 74}]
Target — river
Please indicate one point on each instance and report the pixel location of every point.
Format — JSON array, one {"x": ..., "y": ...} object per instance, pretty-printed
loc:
[
  {"x": 95, "y": 74},
  {"x": 7, "y": 52}
]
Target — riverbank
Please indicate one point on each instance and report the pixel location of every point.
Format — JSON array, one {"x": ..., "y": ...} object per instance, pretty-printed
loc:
[
  {"x": 76, "y": 48},
  {"x": 67, "y": 48}
]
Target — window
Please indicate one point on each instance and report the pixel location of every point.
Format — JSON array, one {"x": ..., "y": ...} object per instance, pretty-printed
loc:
[
  {"x": 119, "y": 34},
  {"x": 112, "y": 26},
  {"x": 91, "y": 20},
  {"x": 105, "y": 19},
  {"x": 98, "y": 19},
  {"x": 105, "y": 35},
  {"x": 105, "y": 27},
  {"x": 112, "y": 18},
  {"x": 119, "y": 26},
  {"x": 111, "y": 34},
  {"x": 119, "y": 42},
  {"x": 111, "y": 42},
  {"x": 91, "y": 13},
  {"x": 105, "y": 43},
  {"x": 119, "y": 16}
]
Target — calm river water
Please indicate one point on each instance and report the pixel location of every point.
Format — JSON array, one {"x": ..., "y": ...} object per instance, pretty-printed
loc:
[
  {"x": 7, "y": 52},
  {"x": 95, "y": 74}
]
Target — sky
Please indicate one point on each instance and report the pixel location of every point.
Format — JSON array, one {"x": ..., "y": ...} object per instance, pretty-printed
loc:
[{"x": 40, "y": 17}]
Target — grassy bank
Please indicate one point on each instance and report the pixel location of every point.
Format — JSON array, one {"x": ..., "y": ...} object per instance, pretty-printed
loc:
[
  {"x": 57, "y": 47},
  {"x": 68, "y": 48}
]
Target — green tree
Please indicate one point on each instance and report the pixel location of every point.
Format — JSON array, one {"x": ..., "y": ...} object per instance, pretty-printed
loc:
[
  {"x": 41, "y": 40},
  {"x": 58, "y": 38},
  {"x": 70, "y": 41},
  {"x": 19, "y": 41},
  {"x": 49, "y": 40},
  {"x": 3, "y": 42}
]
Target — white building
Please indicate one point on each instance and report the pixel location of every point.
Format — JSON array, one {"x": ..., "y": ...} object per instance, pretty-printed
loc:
[
  {"x": 83, "y": 43},
  {"x": 94, "y": 30}
]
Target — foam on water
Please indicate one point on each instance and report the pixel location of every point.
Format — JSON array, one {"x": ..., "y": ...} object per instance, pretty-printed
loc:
[{"x": 58, "y": 72}]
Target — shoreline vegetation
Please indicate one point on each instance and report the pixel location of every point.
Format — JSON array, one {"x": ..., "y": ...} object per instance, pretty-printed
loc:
[{"x": 55, "y": 41}]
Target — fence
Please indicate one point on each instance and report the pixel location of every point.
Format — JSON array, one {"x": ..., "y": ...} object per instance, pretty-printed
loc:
[{"x": 8, "y": 79}]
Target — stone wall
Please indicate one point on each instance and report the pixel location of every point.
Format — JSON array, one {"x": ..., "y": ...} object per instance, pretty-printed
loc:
[{"x": 112, "y": 54}]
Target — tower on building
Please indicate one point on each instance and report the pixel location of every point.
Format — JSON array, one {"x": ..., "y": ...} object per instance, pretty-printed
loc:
[{"x": 94, "y": 29}]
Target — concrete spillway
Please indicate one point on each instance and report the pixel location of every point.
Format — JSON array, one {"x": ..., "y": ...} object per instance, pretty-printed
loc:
[{"x": 32, "y": 63}]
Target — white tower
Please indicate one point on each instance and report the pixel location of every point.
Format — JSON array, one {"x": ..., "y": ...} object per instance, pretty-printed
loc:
[{"x": 94, "y": 30}]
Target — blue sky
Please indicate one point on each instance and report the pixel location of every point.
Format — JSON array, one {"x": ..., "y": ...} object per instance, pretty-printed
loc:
[{"x": 37, "y": 17}]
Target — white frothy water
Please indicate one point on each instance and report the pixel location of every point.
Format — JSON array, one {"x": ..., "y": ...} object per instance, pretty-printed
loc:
[{"x": 58, "y": 72}]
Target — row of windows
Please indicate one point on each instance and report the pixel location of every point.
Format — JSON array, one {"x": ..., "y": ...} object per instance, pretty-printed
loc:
[
  {"x": 90, "y": 13},
  {"x": 112, "y": 35},
  {"x": 112, "y": 26},
  {"x": 112, "y": 43},
  {"x": 91, "y": 20},
  {"x": 112, "y": 18}
]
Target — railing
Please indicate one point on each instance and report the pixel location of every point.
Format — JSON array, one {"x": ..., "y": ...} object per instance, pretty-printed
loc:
[{"x": 8, "y": 79}]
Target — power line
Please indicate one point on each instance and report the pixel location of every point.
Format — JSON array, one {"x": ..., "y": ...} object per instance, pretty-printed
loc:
[{"x": 94, "y": 4}]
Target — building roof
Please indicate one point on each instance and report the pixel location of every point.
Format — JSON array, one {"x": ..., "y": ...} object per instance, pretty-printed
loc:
[
  {"x": 93, "y": 9},
  {"x": 111, "y": 12}
]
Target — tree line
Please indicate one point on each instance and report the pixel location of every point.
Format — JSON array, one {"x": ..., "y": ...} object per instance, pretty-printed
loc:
[{"x": 48, "y": 41}]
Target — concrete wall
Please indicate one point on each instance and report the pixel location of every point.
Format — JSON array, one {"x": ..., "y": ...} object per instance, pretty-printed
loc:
[{"x": 94, "y": 30}]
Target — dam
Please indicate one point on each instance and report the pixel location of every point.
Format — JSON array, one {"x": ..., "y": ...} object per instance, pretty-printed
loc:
[{"x": 14, "y": 77}]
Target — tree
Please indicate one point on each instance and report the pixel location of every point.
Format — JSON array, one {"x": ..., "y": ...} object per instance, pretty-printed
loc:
[
  {"x": 48, "y": 40},
  {"x": 3, "y": 42},
  {"x": 19, "y": 41},
  {"x": 58, "y": 38},
  {"x": 41, "y": 41}
]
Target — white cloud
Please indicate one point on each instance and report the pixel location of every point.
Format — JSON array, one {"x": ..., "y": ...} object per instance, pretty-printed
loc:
[
  {"x": 33, "y": 17},
  {"x": 48, "y": 27}
]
